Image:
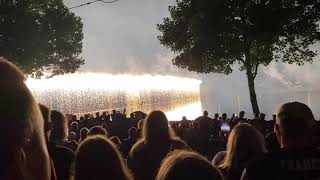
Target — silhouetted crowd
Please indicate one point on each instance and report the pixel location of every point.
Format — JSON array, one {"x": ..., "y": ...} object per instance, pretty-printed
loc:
[{"x": 42, "y": 144}]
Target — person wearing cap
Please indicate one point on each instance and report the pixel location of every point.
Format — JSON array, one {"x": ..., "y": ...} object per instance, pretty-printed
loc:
[{"x": 299, "y": 157}]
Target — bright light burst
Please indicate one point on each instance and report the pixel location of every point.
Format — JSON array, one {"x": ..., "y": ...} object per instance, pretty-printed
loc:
[
  {"x": 191, "y": 111},
  {"x": 125, "y": 82}
]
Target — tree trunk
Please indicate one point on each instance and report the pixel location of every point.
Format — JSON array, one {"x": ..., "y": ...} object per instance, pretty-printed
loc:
[{"x": 252, "y": 91}]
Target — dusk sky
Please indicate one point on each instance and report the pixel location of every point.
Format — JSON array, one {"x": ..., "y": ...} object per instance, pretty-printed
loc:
[{"x": 122, "y": 38}]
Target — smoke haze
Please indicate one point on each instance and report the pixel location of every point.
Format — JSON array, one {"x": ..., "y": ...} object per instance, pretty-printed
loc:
[{"x": 122, "y": 38}]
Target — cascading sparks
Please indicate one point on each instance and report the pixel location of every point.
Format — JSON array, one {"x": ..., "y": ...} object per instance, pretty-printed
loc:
[
  {"x": 115, "y": 82},
  {"x": 88, "y": 92}
]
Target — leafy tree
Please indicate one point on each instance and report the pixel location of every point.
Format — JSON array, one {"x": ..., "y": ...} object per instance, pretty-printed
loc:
[
  {"x": 41, "y": 37},
  {"x": 213, "y": 35}
]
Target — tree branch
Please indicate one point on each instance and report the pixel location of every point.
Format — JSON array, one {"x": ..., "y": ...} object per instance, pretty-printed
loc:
[{"x": 241, "y": 60}]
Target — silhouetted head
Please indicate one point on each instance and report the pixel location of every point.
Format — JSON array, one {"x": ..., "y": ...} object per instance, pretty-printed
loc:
[
  {"x": 74, "y": 118},
  {"x": 72, "y": 136},
  {"x": 241, "y": 114},
  {"x": 98, "y": 130},
  {"x": 195, "y": 124},
  {"x": 23, "y": 151},
  {"x": 97, "y": 114},
  {"x": 205, "y": 113},
  {"x": 59, "y": 130},
  {"x": 187, "y": 165},
  {"x": 83, "y": 133},
  {"x": 274, "y": 117},
  {"x": 133, "y": 132},
  {"x": 131, "y": 115},
  {"x": 184, "y": 118},
  {"x": 262, "y": 116},
  {"x": 156, "y": 128},
  {"x": 294, "y": 122},
  {"x": 98, "y": 158},
  {"x": 224, "y": 116},
  {"x": 116, "y": 141},
  {"x": 184, "y": 123},
  {"x": 74, "y": 126},
  {"x": 245, "y": 143},
  {"x": 216, "y": 115}
]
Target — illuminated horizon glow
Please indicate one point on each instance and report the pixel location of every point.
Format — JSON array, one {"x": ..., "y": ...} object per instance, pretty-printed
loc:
[
  {"x": 191, "y": 111},
  {"x": 126, "y": 82}
]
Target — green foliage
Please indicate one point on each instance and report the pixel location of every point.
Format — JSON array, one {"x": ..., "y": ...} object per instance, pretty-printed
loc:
[
  {"x": 41, "y": 37},
  {"x": 212, "y": 35}
]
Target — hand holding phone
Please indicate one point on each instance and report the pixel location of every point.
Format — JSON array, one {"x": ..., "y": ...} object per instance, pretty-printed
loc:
[{"x": 225, "y": 127}]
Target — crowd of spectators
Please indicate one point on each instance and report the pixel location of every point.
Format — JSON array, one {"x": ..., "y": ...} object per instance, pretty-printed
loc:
[{"x": 40, "y": 143}]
